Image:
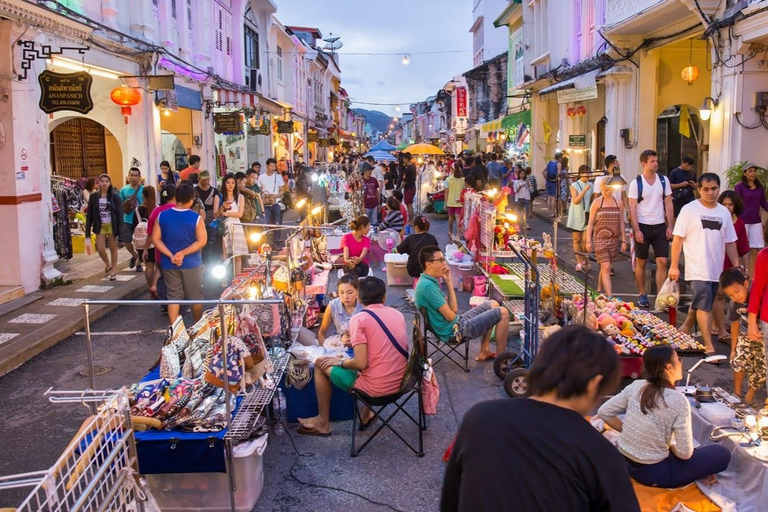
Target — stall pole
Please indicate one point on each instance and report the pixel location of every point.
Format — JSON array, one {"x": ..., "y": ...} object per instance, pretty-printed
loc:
[
  {"x": 229, "y": 459},
  {"x": 89, "y": 352}
]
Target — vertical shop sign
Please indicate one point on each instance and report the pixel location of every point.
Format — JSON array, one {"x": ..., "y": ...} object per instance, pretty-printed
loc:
[{"x": 461, "y": 102}]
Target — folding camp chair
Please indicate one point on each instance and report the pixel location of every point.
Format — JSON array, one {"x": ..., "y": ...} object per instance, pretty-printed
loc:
[
  {"x": 410, "y": 387},
  {"x": 435, "y": 346}
]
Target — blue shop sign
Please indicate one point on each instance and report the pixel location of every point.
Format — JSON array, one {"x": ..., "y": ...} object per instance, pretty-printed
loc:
[{"x": 189, "y": 98}]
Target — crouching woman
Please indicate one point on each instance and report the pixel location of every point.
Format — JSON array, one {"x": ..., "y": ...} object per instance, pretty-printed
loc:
[{"x": 656, "y": 436}]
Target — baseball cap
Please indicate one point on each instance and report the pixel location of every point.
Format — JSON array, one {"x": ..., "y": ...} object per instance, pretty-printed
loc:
[
  {"x": 366, "y": 167},
  {"x": 747, "y": 165},
  {"x": 204, "y": 175}
]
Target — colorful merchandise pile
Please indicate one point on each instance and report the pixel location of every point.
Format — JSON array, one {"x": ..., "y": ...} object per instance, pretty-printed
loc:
[{"x": 632, "y": 330}]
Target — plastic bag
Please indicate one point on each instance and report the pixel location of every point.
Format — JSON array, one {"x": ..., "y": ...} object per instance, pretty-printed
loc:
[
  {"x": 668, "y": 296},
  {"x": 88, "y": 247}
]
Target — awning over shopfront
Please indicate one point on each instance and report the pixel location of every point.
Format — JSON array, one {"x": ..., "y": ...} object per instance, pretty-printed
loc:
[
  {"x": 584, "y": 81},
  {"x": 506, "y": 122}
]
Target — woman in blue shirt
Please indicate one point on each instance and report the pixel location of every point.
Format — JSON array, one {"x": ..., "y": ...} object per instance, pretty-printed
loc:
[{"x": 340, "y": 309}]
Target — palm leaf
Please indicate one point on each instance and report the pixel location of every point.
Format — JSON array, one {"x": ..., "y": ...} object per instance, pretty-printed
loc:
[{"x": 734, "y": 173}]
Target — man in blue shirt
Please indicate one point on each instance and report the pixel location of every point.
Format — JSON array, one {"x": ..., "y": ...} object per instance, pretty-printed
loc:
[
  {"x": 179, "y": 235},
  {"x": 131, "y": 195},
  {"x": 443, "y": 314},
  {"x": 494, "y": 168}
]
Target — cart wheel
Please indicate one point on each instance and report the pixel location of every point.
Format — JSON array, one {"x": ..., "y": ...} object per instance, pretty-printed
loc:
[
  {"x": 505, "y": 362},
  {"x": 516, "y": 382}
]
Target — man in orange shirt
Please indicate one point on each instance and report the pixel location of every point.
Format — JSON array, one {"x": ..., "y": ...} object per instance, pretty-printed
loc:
[{"x": 190, "y": 173}]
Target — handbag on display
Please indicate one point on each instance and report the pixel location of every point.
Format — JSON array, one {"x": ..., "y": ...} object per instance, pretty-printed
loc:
[
  {"x": 267, "y": 317},
  {"x": 235, "y": 365},
  {"x": 197, "y": 350},
  {"x": 430, "y": 389},
  {"x": 171, "y": 354}
]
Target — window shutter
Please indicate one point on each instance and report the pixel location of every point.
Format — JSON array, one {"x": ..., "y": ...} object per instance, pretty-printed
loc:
[{"x": 228, "y": 29}]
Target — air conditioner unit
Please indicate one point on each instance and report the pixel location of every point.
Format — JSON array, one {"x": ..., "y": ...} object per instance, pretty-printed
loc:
[{"x": 256, "y": 82}]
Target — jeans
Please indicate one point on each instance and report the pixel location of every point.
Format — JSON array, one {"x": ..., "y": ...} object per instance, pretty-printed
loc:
[
  {"x": 372, "y": 214},
  {"x": 673, "y": 472},
  {"x": 273, "y": 215}
]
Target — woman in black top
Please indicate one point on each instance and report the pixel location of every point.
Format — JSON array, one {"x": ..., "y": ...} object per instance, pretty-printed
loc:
[
  {"x": 414, "y": 243},
  {"x": 105, "y": 217}
]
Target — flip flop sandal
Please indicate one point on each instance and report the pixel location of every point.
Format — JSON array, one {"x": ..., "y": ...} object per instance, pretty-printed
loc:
[
  {"x": 490, "y": 358},
  {"x": 366, "y": 424},
  {"x": 305, "y": 431}
]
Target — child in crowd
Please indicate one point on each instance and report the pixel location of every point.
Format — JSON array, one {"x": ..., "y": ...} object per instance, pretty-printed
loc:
[
  {"x": 747, "y": 355},
  {"x": 455, "y": 184},
  {"x": 522, "y": 195},
  {"x": 397, "y": 194},
  {"x": 394, "y": 217}
]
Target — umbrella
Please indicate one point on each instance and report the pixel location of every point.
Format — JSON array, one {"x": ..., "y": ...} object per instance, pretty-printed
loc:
[
  {"x": 402, "y": 145},
  {"x": 383, "y": 145},
  {"x": 423, "y": 149},
  {"x": 382, "y": 155}
]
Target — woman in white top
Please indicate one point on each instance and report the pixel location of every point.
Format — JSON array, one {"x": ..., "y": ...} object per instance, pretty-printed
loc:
[
  {"x": 656, "y": 436},
  {"x": 340, "y": 310},
  {"x": 231, "y": 206}
]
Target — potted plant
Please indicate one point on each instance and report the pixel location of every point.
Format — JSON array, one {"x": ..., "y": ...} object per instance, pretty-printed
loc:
[{"x": 734, "y": 173}]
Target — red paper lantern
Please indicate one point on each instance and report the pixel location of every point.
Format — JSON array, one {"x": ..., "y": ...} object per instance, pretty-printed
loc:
[
  {"x": 571, "y": 111},
  {"x": 581, "y": 110},
  {"x": 126, "y": 97}
]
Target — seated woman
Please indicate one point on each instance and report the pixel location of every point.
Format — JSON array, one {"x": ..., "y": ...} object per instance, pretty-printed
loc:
[
  {"x": 394, "y": 218},
  {"x": 340, "y": 310},
  {"x": 413, "y": 243},
  {"x": 656, "y": 437},
  {"x": 380, "y": 341},
  {"x": 356, "y": 246}
]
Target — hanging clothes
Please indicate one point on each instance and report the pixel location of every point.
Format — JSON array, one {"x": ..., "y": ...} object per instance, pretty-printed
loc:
[{"x": 62, "y": 236}]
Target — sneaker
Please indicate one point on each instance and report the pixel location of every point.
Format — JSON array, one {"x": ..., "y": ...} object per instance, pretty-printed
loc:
[
  {"x": 139, "y": 268},
  {"x": 132, "y": 263},
  {"x": 643, "y": 301}
]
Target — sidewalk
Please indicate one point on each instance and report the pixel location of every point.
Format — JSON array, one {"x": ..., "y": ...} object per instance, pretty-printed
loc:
[{"x": 40, "y": 320}]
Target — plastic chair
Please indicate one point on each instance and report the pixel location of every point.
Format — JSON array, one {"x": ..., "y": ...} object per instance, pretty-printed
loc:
[
  {"x": 457, "y": 353},
  {"x": 409, "y": 388}
]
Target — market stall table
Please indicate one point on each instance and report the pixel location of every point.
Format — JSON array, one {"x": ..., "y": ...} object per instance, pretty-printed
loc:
[{"x": 743, "y": 487}]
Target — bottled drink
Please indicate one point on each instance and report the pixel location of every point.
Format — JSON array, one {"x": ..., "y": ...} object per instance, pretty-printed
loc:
[
  {"x": 281, "y": 412},
  {"x": 461, "y": 282}
]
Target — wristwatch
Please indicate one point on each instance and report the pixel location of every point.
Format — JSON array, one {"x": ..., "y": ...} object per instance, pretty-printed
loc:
[{"x": 341, "y": 364}]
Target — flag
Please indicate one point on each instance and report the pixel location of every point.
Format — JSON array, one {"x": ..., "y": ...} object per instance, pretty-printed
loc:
[
  {"x": 547, "y": 131},
  {"x": 685, "y": 125},
  {"x": 522, "y": 135}
]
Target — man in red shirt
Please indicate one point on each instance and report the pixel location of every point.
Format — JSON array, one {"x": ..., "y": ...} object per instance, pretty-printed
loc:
[{"x": 190, "y": 173}]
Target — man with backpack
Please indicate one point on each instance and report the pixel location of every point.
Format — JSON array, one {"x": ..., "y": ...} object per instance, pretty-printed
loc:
[
  {"x": 651, "y": 214},
  {"x": 550, "y": 177}
]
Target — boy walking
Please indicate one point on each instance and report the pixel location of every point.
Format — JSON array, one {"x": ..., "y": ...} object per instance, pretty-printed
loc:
[
  {"x": 132, "y": 197},
  {"x": 179, "y": 235},
  {"x": 746, "y": 355}
]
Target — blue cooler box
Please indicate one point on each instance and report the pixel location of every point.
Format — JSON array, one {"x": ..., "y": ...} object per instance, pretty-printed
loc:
[{"x": 302, "y": 403}]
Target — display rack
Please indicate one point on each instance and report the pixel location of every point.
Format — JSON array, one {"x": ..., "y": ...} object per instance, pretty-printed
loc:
[
  {"x": 98, "y": 470},
  {"x": 254, "y": 403}
]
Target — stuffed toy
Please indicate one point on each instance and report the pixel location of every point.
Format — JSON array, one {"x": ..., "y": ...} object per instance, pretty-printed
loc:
[{"x": 610, "y": 330}]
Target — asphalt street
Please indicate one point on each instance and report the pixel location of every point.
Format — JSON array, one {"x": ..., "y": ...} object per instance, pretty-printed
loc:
[{"x": 300, "y": 473}]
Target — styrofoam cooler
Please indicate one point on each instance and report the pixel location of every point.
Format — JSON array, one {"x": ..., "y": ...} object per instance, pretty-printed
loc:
[
  {"x": 397, "y": 270},
  {"x": 209, "y": 492},
  {"x": 464, "y": 268}
]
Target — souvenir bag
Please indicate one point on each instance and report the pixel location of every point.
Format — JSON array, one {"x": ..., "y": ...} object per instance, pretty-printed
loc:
[
  {"x": 480, "y": 288},
  {"x": 235, "y": 365},
  {"x": 267, "y": 317},
  {"x": 430, "y": 389},
  {"x": 171, "y": 354},
  {"x": 313, "y": 314},
  {"x": 197, "y": 349}
]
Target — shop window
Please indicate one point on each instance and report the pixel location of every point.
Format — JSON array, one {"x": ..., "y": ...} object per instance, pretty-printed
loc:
[
  {"x": 218, "y": 27},
  {"x": 78, "y": 149}
]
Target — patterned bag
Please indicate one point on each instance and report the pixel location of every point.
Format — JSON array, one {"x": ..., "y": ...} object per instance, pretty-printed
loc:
[
  {"x": 267, "y": 317},
  {"x": 171, "y": 354},
  {"x": 235, "y": 364},
  {"x": 429, "y": 388}
]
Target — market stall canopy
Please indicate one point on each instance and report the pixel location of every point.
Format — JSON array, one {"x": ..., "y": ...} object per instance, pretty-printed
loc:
[
  {"x": 402, "y": 146},
  {"x": 424, "y": 149},
  {"x": 381, "y": 156},
  {"x": 383, "y": 146}
]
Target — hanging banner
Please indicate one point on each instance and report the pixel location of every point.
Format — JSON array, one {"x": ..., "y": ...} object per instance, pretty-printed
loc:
[
  {"x": 461, "y": 102},
  {"x": 285, "y": 127},
  {"x": 65, "y": 91},
  {"x": 323, "y": 143},
  {"x": 572, "y": 95}
]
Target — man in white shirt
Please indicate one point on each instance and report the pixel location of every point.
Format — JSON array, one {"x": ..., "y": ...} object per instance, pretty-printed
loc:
[
  {"x": 704, "y": 232},
  {"x": 650, "y": 212},
  {"x": 272, "y": 188}
]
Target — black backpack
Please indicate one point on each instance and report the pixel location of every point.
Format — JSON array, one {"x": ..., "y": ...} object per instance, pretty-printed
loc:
[{"x": 640, "y": 188}]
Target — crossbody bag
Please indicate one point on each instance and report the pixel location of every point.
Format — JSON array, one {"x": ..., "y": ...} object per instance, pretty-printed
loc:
[{"x": 391, "y": 338}]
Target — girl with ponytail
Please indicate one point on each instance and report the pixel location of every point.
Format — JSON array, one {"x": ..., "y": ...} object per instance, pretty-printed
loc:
[
  {"x": 356, "y": 246},
  {"x": 656, "y": 434}
]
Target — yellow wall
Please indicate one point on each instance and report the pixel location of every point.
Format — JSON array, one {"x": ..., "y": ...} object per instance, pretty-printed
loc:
[
  {"x": 180, "y": 124},
  {"x": 672, "y": 89},
  {"x": 114, "y": 159}
]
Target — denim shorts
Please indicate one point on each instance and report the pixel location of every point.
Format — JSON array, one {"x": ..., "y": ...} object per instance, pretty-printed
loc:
[
  {"x": 478, "y": 321},
  {"x": 703, "y": 295}
]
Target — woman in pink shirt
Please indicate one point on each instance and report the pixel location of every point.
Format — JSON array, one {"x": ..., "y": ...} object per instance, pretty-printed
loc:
[
  {"x": 379, "y": 338},
  {"x": 356, "y": 246}
]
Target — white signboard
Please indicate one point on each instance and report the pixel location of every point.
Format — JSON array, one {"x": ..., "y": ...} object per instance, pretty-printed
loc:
[{"x": 572, "y": 95}]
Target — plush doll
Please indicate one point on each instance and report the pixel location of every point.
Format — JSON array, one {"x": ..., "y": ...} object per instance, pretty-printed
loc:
[{"x": 610, "y": 330}]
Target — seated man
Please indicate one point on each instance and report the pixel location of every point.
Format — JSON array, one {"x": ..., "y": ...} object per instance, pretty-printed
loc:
[
  {"x": 443, "y": 314},
  {"x": 379, "y": 338}
]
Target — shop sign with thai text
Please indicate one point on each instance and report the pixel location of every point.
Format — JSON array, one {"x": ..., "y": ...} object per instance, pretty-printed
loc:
[
  {"x": 227, "y": 122},
  {"x": 461, "y": 102},
  {"x": 65, "y": 91},
  {"x": 571, "y": 95}
]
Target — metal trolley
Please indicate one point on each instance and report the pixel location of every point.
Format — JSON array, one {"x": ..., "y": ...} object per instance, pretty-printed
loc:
[
  {"x": 98, "y": 470},
  {"x": 514, "y": 365}
]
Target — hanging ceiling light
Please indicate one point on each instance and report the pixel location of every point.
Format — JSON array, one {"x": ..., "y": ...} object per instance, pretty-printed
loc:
[{"x": 406, "y": 60}]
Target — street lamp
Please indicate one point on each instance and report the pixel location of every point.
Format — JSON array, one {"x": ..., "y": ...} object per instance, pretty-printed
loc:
[
  {"x": 406, "y": 60},
  {"x": 616, "y": 182},
  {"x": 705, "y": 112}
]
